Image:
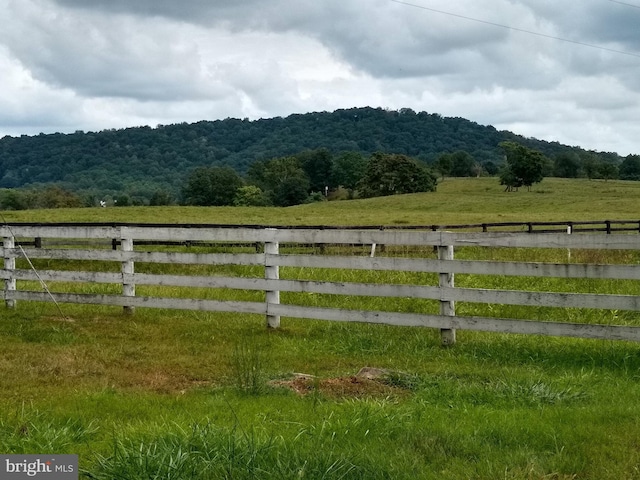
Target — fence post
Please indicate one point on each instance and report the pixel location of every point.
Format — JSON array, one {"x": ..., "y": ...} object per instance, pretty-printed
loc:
[
  {"x": 272, "y": 272},
  {"x": 447, "y": 307},
  {"x": 128, "y": 289},
  {"x": 9, "y": 266}
]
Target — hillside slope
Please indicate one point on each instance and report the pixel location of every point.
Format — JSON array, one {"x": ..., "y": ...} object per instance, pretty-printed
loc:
[{"x": 139, "y": 161}]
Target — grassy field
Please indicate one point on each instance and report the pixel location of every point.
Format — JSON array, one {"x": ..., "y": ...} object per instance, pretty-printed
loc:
[
  {"x": 457, "y": 201},
  {"x": 183, "y": 395}
]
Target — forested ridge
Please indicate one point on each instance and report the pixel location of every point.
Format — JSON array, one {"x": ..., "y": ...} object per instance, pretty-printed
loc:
[{"x": 141, "y": 161}]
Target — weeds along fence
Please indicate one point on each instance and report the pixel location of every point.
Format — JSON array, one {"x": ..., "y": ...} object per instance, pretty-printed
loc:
[{"x": 580, "y": 285}]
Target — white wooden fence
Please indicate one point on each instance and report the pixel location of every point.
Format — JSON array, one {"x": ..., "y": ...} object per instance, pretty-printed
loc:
[{"x": 272, "y": 259}]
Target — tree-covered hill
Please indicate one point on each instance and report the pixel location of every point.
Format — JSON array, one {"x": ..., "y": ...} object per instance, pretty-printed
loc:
[{"x": 141, "y": 161}]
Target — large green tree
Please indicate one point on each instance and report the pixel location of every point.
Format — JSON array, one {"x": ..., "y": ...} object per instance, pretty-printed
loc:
[
  {"x": 317, "y": 165},
  {"x": 463, "y": 165},
  {"x": 444, "y": 164},
  {"x": 566, "y": 165},
  {"x": 347, "y": 170},
  {"x": 250, "y": 196},
  {"x": 591, "y": 164},
  {"x": 608, "y": 170},
  {"x": 458, "y": 164},
  {"x": 211, "y": 186},
  {"x": 282, "y": 179},
  {"x": 389, "y": 174},
  {"x": 523, "y": 166}
]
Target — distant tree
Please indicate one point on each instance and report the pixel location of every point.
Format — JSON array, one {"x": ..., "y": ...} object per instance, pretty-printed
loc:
[
  {"x": 291, "y": 191},
  {"x": 630, "y": 168},
  {"x": 122, "y": 201},
  {"x": 12, "y": 199},
  {"x": 347, "y": 170},
  {"x": 444, "y": 164},
  {"x": 490, "y": 167},
  {"x": 256, "y": 175},
  {"x": 282, "y": 179},
  {"x": 609, "y": 157},
  {"x": 250, "y": 196},
  {"x": 608, "y": 171},
  {"x": 566, "y": 165},
  {"x": 315, "y": 197},
  {"x": 591, "y": 165},
  {"x": 90, "y": 200},
  {"x": 523, "y": 167},
  {"x": 317, "y": 164},
  {"x": 211, "y": 186},
  {"x": 389, "y": 174},
  {"x": 462, "y": 165},
  {"x": 457, "y": 164},
  {"x": 509, "y": 179},
  {"x": 160, "y": 197},
  {"x": 53, "y": 196}
]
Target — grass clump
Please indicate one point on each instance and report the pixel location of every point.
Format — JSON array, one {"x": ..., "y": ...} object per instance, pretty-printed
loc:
[
  {"x": 207, "y": 452},
  {"x": 248, "y": 362},
  {"x": 33, "y": 431}
]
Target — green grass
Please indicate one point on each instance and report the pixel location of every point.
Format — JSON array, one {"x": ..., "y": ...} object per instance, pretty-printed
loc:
[
  {"x": 457, "y": 201},
  {"x": 171, "y": 394},
  {"x": 137, "y": 395}
]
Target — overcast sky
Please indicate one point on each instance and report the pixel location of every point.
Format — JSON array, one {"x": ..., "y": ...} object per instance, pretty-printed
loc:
[{"x": 566, "y": 71}]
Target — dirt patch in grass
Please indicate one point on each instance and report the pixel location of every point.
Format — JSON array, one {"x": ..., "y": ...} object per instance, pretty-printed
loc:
[
  {"x": 367, "y": 382},
  {"x": 160, "y": 381}
]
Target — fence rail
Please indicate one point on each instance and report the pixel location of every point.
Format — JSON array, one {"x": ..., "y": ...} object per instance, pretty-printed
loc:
[{"x": 431, "y": 252}]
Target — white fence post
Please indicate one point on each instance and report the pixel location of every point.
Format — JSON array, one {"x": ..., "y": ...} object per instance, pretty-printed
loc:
[
  {"x": 272, "y": 272},
  {"x": 9, "y": 265},
  {"x": 447, "y": 307},
  {"x": 128, "y": 289}
]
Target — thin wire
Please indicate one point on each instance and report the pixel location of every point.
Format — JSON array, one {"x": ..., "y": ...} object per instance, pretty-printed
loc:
[
  {"x": 515, "y": 29},
  {"x": 626, "y": 4},
  {"x": 42, "y": 282}
]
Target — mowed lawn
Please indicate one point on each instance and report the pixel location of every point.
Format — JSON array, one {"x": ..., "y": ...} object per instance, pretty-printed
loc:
[{"x": 165, "y": 394}]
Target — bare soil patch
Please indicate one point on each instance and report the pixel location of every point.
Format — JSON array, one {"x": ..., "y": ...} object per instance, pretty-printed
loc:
[{"x": 368, "y": 382}]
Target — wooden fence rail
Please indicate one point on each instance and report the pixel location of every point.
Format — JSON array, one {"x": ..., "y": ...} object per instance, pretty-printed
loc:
[{"x": 25, "y": 241}]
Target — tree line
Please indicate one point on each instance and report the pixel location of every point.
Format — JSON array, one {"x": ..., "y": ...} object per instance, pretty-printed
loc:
[
  {"x": 314, "y": 175},
  {"x": 307, "y": 177},
  {"x": 145, "y": 165}
]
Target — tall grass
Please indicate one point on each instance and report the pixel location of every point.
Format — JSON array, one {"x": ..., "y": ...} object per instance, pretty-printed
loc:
[
  {"x": 248, "y": 368},
  {"x": 206, "y": 452}
]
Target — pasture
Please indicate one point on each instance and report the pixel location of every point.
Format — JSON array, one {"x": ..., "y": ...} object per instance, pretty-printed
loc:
[{"x": 166, "y": 394}]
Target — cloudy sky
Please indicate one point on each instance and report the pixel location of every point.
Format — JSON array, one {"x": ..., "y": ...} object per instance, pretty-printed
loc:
[{"x": 566, "y": 71}]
